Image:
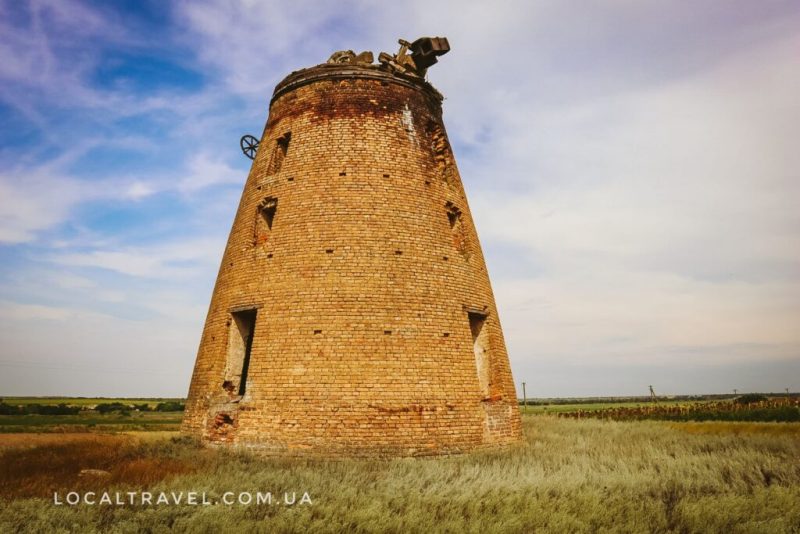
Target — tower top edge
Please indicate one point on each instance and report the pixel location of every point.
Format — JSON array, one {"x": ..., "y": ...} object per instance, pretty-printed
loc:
[
  {"x": 407, "y": 67},
  {"x": 348, "y": 72}
]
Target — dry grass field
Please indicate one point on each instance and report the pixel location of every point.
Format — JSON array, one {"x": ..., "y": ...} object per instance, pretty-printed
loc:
[{"x": 570, "y": 475}]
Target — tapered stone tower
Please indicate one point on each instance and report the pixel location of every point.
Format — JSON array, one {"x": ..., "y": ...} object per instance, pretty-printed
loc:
[{"x": 352, "y": 314}]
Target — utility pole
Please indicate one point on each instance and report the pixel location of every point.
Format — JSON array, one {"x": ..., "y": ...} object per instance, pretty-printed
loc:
[
  {"x": 653, "y": 394},
  {"x": 524, "y": 399},
  {"x": 735, "y": 391}
]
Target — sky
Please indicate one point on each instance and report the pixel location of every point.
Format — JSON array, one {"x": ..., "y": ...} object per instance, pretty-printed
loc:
[{"x": 632, "y": 169}]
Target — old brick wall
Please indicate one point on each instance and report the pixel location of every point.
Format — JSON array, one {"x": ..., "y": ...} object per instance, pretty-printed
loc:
[{"x": 354, "y": 244}]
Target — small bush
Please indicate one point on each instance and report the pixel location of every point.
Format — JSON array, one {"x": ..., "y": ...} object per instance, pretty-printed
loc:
[
  {"x": 112, "y": 407},
  {"x": 750, "y": 398},
  {"x": 170, "y": 406}
]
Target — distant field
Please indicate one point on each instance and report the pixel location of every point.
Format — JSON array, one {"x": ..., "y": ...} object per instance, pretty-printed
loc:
[
  {"x": 91, "y": 421},
  {"x": 594, "y": 406},
  {"x": 85, "y": 401}
]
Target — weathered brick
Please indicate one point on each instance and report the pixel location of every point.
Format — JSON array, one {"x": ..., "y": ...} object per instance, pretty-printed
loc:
[{"x": 354, "y": 249}]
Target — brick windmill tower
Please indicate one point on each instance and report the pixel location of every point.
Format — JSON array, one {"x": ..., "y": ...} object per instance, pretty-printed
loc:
[{"x": 353, "y": 314}]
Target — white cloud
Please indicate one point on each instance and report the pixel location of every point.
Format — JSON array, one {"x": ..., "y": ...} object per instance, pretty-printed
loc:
[
  {"x": 12, "y": 311},
  {"x": 70, "y": 281},
  {"x": 36, "y": 200},
  {"x": 643, "y": 158},
  {"x": 662, "y": 220},
  {"x": 254, "y": 44},
  {"x": 166, "y": 260},
  {"x": 138, "y": 190},
  {"x": 204, "y": 170}
]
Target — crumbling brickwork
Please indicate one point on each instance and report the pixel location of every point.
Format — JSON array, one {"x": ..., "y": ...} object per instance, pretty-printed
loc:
[{"x": 353, "y": 314}]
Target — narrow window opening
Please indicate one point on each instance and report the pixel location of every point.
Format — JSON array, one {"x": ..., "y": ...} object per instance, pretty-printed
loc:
[
  {"x": 328, "y": 251},
  {"x": 385, "y": 175},
  {"x": 387, "y": 332},
  {"x": 480, "y": 345},
  {"x": 268, "y": 207},
  {"x": 453, "y": 214},
  {"x": 457, "y": 226},
  {"x": 342, "y": 173},
  {"x": 279, "y": 153},
  {"x": 283, "y": 142},
  {"x": 316, "y": 332},
  {"x": 264, "y": 220},
  {"x": 240, "y": 345}
]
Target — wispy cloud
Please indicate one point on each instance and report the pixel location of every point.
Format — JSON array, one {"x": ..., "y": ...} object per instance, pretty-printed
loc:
[
  {"x": 631, "y": 168},
  {"x": 170, "y": 260},
  {"x": 35, "y": 200}
]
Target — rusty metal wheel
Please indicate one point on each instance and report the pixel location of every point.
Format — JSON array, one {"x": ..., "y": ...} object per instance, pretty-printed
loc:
[{"x": 249, "y": 145}]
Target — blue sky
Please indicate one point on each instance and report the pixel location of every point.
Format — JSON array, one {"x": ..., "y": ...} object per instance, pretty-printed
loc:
[{"x": 631, "y": 166}]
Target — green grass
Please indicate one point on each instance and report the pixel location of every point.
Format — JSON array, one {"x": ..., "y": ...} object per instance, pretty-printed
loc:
[
  {"x": 89, "y": 421},
  {"x": 569, "y": 475}
]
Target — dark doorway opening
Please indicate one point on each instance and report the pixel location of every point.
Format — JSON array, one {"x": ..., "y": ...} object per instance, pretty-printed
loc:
[{"x": 240, "y": 345}]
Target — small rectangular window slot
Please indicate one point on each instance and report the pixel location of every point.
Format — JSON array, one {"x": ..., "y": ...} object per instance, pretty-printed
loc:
[
  {"x": 283, "y": 141},
  {"x": 445, "y": 258},
  {"x": 398, "y": 252},
  {"x": 446, "y": 334},
  {"x": 290, "y": 179},
  {"x": 387, "y": 332},
  {"x": 342, "y": 173},
  {"x": 427, "y": 182},
  {"x": 267, "y": 208},
  {"x": 385, "y": 175},
  {"x": 328, "y": 251},
  {"x": 317, "y": 332},
  {"x": 453, "y": 214},
  {"x": 269, "y": 255}
]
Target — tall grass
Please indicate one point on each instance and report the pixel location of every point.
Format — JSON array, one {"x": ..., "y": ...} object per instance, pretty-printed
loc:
[{"x": 568, "y": 476}]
